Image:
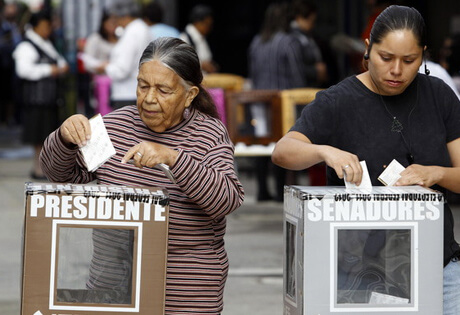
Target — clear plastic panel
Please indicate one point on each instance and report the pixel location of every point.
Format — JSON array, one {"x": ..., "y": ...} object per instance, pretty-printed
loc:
[
  {"x": 374, "y": 266},
  {"x": 95, "y": 265},
  {"x": 290, "y": 280}
]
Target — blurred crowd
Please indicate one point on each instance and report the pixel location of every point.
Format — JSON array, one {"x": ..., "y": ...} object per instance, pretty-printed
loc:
[{"x": 286, "y": 53}]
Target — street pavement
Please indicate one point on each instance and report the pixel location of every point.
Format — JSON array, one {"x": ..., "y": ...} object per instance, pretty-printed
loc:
[{"x": 254, "y": 238}]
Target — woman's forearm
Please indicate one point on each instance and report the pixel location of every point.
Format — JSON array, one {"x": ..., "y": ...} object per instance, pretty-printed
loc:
[{"x": 295, "y": 154}]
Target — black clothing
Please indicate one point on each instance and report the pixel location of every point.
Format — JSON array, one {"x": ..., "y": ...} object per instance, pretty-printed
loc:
[
  {"x": 41, "y": 92},
  {"x": 311, "y": 55},
  {"x": 352, "y": 118},
  {"x": 40, "y": 101}
]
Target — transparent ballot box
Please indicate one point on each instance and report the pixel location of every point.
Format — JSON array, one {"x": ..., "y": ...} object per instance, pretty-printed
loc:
[
  {"x": 91, "y": 249},
  {"x": 363, "y": 252}
]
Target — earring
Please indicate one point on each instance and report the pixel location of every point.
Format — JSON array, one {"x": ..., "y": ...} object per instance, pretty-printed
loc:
[
  {"x": 186, "y": 113},
  {"x": 366, "y": 56},
  {"x": 427, "y": 71}
]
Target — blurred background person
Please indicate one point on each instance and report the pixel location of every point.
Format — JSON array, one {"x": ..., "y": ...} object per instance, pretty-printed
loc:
[
  {"x": 96, "y": 52},
  {"x": 39, "y": 66},
  {"x": 375, "y": 7},
  {"x": 83, "y": 82},
  {"x": 10, "y": 36},
  {"x": 435, "y": 69},
  {"x": 275, "y": 63},
  {"x": 201, "y": 19},
  {"x": 353, "y": 46},
  {"x": 449, "y": 57},
  {"x": 122, "y": 66},
  {"x": 152, "y": 14},
  {"x": 275, "y": 54},
  {"x": 305, "y": 14},
  {"x": 99, "y": 44}
]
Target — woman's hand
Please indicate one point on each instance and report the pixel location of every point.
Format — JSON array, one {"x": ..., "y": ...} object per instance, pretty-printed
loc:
[
  {"x": 150, "y": 154},
  {"x": 76, "y": 130},
  {"x": 343, "y": 162},
  {"x": 416, "y": 174}
]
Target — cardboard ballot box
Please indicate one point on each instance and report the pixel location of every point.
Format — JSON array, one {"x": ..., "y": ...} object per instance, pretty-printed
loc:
[
  {"x": 94, "y": 249},
  {"x": 356, "y": 252}
]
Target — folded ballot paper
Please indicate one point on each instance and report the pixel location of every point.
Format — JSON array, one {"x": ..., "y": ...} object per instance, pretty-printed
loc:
[
  {"x": 390, "y": 175},
  {"x": 99, "y": 148},
  {"x": 366, "y": 183}
]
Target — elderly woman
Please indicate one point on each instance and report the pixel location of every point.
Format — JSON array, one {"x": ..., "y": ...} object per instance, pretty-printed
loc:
[{"x": 175, "y": 122}]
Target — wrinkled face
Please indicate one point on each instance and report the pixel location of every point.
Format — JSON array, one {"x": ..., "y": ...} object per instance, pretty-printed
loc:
[
  {"x": 394, "y": 63},
  {"x": 161, "y": 96}
]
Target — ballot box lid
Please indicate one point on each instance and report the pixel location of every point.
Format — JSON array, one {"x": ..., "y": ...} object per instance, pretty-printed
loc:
[
  {"x": 306, "y": 192},
  {"x": 157, "y": 194}
]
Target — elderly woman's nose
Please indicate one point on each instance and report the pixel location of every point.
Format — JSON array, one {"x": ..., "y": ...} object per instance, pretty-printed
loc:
[{"x": 151, "y": 95}]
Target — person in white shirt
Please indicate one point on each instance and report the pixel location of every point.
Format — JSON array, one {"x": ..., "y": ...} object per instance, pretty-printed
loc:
[
  {"x": 38, "y": 66},
  {"x": 122, "y": 67},
  {"x": 100, "y": 43},
  {"x": 153, "y": 16},
  {"x": 435, "y": 69},
  {"x": 200, "y": 24}
]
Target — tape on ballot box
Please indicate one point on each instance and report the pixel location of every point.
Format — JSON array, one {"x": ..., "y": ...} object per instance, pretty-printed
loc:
[
  {"x": 94, "y": 249},
  {"x": 352, "y": 251}
]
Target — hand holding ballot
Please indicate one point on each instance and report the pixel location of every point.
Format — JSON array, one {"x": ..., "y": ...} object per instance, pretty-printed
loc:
[
  {"x": 91, "y": 137},
  {"x": 421, "y": 175},
  {"x": 94, "y": 142},
  {"x": 76, "y": 130},
  {"x": 344, "y": 163}
]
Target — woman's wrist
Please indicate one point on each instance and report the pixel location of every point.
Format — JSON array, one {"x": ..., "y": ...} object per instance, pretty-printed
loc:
[
  {"x": 174, "y": 154},
  {"x": 67, "y": 144}
]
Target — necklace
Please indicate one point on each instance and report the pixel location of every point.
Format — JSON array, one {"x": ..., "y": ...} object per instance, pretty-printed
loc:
[{"x": 397, "y": 126}]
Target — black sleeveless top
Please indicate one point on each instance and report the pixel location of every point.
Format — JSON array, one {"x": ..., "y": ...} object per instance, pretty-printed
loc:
[{"x": 43, "y": 92}]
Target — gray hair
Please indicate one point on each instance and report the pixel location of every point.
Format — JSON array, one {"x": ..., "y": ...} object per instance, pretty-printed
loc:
[
  {"x": 181, "y": 58},
  {"x": 123, "y": 8}
]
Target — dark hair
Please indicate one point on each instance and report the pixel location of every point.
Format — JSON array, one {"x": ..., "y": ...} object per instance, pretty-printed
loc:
[
  {"x": 43, "y": 15},
  {"x": 276, "y": 19},
  {"x": 199, "y": 13},
  {"x": 181, "y": 58},
  {"x": 153, "y": 12},
  {"x": 303, "y": 8},
  {"x": 395, "y": 18},
  {"x": 102, "y": 31}
]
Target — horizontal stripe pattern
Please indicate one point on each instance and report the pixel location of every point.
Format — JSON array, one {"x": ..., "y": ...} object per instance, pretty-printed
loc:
[{"x": 207, "y": 190}]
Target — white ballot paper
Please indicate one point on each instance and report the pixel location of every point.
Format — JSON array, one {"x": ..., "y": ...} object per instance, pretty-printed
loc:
[
  {"x": 380, "y": 298},
  {"x": 390, "y": 175},
  {"x": 366, "y": 183},
  {"x": 99, "y": 148}
]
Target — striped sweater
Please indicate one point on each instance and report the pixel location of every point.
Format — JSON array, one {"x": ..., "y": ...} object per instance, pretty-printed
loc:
[{"x": 207, "y": 189}]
